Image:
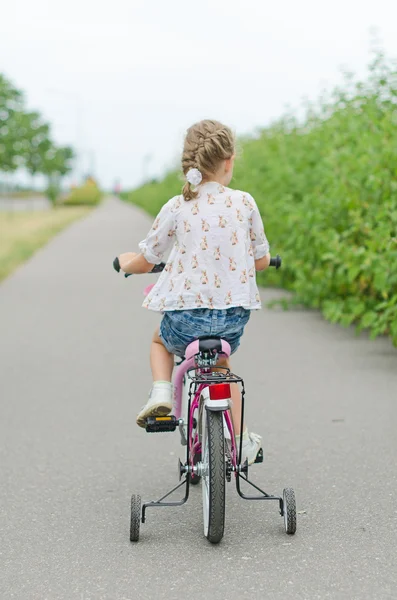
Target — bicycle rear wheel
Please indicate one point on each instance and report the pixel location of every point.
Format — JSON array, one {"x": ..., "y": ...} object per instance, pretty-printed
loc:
[{"x": 213, "y": 478}]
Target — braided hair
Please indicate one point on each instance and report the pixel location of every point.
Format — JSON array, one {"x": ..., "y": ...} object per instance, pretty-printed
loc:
[{"x": 207, "y": 143}]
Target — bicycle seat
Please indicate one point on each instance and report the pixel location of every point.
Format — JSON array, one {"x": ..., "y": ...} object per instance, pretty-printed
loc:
[
  {"x": 207, "y": 344},
  {"x": 210, "y": 343}
]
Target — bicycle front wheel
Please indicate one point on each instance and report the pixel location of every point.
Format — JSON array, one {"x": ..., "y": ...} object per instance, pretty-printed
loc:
[{"x": 213, "y": 478}]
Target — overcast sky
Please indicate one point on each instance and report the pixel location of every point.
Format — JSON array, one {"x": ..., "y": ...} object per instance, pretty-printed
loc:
[{"x": 121, "y": 80}]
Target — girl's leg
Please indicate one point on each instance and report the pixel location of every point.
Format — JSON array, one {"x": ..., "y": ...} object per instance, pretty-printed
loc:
[
  {"x": 160, "y": 398},
  {"x": 161, "y": 361}
]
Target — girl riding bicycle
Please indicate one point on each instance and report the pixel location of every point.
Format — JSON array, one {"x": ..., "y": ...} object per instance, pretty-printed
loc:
[{"x": 217, "y": 242}]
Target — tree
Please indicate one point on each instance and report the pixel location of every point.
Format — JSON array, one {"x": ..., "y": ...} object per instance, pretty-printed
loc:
[
  {"x": 11, "y": 117},
  {"x": 58, "y": 161},
  {"x": 25, "y": 139},
  {"x": 36, "y": 136},
  {"x": 56, "y": 164}
]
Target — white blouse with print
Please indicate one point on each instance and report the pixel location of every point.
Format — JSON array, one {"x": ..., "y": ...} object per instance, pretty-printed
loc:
[{"x": 214, "y": 241}]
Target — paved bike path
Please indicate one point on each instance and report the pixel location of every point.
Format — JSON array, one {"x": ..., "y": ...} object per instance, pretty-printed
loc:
[{"x": 74, "y": 370}]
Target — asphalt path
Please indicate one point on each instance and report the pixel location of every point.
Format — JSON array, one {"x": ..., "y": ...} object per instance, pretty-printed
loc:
[{"x": 74, "y": 371}]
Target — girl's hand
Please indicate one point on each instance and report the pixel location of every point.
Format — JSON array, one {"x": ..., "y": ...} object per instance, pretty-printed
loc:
[
  {"x": 263, "y": 263},
  {"x": 125, "y": 259}
]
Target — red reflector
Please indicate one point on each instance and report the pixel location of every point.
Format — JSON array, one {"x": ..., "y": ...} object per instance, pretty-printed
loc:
[{"x": 220, "y": 391}]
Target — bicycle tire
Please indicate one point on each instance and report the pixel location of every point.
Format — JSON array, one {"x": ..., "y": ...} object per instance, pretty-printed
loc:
[
  {"x": 214, "y": 482},
  {"x": 135, "y": 517},
  {"x": 289, "y": 508}
]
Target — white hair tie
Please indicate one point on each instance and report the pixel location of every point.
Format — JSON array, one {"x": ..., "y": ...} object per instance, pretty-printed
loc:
[{"x": 194, "y": 176}]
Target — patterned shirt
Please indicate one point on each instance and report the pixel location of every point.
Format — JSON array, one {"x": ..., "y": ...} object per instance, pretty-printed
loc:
[{"x": 214, "y": 241}]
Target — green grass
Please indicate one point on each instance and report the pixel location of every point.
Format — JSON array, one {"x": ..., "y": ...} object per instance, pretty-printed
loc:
[
  {"x": 22, "y": 233},
  {"x": 23, "y": 194},
  {"x": 327, "y": 190}
]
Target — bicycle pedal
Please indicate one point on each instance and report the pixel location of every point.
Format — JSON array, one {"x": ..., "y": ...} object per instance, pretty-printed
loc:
[
  {"x": 161, "y": 424},
  {"x": 259, "y": 456}
]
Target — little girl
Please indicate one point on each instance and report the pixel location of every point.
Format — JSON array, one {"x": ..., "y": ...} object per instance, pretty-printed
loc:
[{"x": 208, "y": 286}]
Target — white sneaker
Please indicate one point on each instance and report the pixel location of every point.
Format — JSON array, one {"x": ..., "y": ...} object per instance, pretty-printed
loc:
[
  {"x": 252, "y": 443},
  {"x": 159, "y": 403}
]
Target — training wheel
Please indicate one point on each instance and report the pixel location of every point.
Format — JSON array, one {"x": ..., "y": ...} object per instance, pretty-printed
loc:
[
  {"x": 135, "y": 517},
  {"x": 289, "y": 510}
]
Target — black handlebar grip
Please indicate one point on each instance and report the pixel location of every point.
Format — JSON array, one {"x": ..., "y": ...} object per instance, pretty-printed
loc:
[
  {"x": 116, "y": 264},
  {"x": 276, "y": 261},
  {"x": 158, "y": 268}
]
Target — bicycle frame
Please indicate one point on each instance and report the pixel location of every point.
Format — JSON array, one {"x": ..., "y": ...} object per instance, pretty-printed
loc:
[
  {"x": 187, "y": 366},
  {"x": 203, "y": 377}
]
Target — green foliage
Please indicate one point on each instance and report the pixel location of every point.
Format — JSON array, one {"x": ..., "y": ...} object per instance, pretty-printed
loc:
[
  {"x": 153, "y": 195},
  {"x": 88, "y": 194},
  {"x": 25, "y": 138},
  {"x": 327, "y": 190}
]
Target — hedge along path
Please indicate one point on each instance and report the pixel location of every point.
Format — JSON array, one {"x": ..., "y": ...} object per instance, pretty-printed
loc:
[
  {"x": 327, "y": 191},
  {"x": 21, "y": 234}
]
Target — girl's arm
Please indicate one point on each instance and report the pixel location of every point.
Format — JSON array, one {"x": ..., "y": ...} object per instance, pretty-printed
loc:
[
  {"x": 134, "y": 264},
  {"x": 262, "y": 263},
  {"x": 154, "y": 246},
  {"x": 259, "y": 242}
]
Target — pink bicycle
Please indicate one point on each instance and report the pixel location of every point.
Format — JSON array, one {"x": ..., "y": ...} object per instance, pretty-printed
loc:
[{"x": 202, "y": 417}]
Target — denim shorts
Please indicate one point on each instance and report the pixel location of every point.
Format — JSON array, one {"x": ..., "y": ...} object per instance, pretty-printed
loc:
[{"x": 181, "y": 327}]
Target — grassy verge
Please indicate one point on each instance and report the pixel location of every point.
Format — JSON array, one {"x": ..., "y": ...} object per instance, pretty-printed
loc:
[
  {"x": 22, "y": 194},
  {"x": 21, "y": 234}
]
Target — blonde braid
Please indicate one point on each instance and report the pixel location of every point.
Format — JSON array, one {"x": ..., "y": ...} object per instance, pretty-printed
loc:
[
  {"x": 189, "y": 162},
  {"x": 207, "y": 143}
]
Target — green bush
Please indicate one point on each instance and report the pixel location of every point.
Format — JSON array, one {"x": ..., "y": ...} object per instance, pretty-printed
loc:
[
  {"x": 327, "y": 190},
  {"x": 88, "y": 194}
]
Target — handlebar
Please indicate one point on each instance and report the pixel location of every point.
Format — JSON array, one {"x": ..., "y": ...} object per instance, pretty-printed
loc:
[
  {"x": 116, "y": 264},
  {"x": 274, "y": 262},
  {"x": 156, "y": 268}
]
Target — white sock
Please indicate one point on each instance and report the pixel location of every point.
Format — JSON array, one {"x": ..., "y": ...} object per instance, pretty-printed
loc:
[{"x": 245, "y": 435}]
